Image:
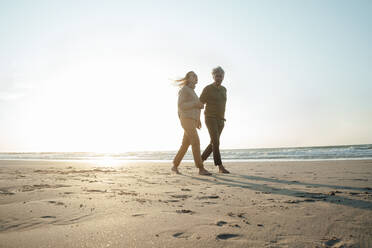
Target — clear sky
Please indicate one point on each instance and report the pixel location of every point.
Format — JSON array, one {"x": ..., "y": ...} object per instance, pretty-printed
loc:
[{"x": 96, "y": 75}]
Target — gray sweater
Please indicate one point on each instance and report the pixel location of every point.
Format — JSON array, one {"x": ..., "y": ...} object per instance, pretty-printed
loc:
[{"x": 187, "y": 103}]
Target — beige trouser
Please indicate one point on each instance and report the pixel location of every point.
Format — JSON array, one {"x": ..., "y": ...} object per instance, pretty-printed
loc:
[{"x": 190, "y": 137}]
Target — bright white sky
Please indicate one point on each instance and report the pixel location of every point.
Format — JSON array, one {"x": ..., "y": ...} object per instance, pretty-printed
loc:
[{"x": 95, "y": 75}]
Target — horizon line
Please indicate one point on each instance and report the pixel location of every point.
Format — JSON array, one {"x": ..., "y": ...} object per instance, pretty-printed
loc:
[{"x": 280, "y": 147}]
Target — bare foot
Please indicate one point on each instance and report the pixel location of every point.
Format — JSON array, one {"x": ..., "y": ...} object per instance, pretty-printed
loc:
[
  {"x": 223, "y": 170},
  {"x": 204, "y": 172},
  {"x": 175, "y": 170}
]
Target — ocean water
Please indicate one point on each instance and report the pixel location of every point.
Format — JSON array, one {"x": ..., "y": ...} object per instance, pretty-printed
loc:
[{"x": 263, "y": 154}]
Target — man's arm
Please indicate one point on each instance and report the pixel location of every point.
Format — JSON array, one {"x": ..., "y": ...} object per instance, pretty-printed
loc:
[{"x": 203, "y": 97}]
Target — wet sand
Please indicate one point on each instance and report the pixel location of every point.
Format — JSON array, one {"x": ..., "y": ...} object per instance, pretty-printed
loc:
[{"x": 260, "y": 204}]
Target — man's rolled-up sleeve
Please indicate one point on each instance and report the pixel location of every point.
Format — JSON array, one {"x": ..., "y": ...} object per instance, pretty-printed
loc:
[{"x": 203, "y": 96}]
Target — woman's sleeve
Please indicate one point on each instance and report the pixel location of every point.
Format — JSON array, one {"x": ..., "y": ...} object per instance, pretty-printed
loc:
[{"x": 183, "y": 102}]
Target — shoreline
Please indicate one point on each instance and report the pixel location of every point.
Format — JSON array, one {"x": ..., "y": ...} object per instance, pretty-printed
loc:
[{"x": 184, "y": 160}]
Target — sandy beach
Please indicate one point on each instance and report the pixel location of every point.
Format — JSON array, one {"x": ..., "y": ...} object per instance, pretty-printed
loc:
[{"x": 260, "y": 204}]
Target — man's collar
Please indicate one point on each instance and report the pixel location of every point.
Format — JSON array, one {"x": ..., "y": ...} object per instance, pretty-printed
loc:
[{"x": 215, "y": 85}]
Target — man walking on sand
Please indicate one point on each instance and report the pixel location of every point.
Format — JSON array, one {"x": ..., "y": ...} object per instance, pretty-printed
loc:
[{"x": 214, "y": 96}]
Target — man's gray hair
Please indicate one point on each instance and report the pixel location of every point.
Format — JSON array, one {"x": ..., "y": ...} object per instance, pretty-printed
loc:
[{"x": 218, "y": 70}]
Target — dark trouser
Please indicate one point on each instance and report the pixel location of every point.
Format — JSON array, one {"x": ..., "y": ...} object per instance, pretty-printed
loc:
[{"x": 215, "y": 127}]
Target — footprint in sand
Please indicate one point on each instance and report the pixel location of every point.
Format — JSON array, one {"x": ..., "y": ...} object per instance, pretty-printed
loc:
[
  {"x": 181, "y": 235},
  {"x": 127, "y": 193},
  {"x": 225, "y": 236},
  {"x": 221, "y": 223},
  {"x": 184, "y": 211},
  {"x": 334, "y": 242},
  {"x": 208, "y": 197},
  {"x": 48, "y": 217},
  {"x": 56, "y": 203},
  {"x": 138, "y": 215},
  {"x": 240, "y": 215},
  {"x": 181, "y": 196},
  {"x": 96, "y": 191}
]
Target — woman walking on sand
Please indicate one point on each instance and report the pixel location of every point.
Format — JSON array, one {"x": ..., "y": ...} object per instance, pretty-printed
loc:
[{"x": 189, "y": 108}]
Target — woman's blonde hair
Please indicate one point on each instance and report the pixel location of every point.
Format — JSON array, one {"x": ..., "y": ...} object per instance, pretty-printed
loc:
[{"x": 185, "y": 80}]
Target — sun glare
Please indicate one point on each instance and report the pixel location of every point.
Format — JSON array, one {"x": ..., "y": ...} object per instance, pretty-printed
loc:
[
  {"x": 103, "y": 108},
  {"x": 108, "y": 162}
]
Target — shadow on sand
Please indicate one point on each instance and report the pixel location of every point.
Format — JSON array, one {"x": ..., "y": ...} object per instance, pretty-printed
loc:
[
  {"x": 240, "y": 181},
  {"x": 313, "y": 185}
]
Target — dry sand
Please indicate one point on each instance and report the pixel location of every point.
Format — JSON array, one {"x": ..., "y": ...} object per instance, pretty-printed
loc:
[{"x": 261, "y": 204}]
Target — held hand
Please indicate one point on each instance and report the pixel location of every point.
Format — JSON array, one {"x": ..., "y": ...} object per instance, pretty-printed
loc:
[
  {"x": 200, "y": 105},
  {"x": 199, "y": 125}
]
